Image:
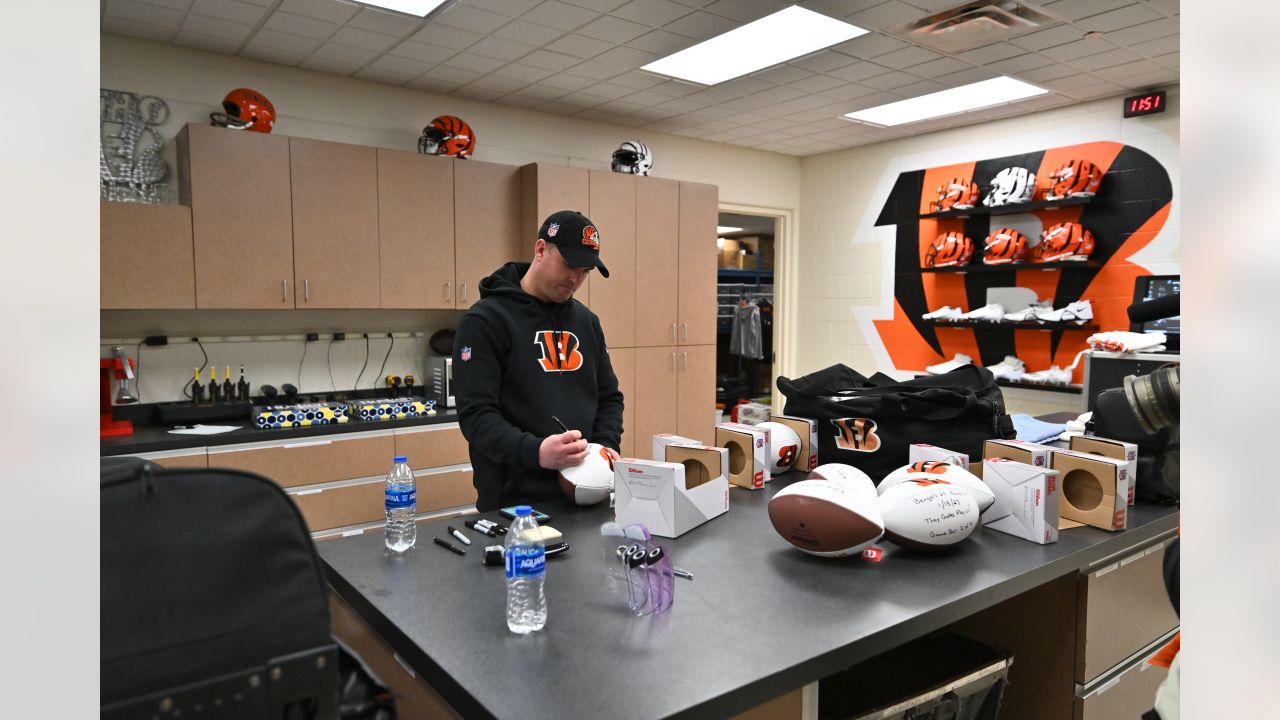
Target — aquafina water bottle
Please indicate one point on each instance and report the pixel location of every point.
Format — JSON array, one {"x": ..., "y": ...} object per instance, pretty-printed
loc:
[
  {"x": 526, "y": 569},
  {"x": 402, "y": 504}
]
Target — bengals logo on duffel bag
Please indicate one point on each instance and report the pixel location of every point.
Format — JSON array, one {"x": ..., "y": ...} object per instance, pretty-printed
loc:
[
  {"x": 560, "y": 351},
  {"x": 857, "y": 434}
]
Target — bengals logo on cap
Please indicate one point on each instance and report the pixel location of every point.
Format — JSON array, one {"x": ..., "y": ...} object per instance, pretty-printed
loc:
[{"x": 591, "y": 237}]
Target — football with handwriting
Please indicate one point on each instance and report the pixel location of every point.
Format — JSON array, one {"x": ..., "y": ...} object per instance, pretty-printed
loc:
[
  {"x": 924, "y": 514},
  {"x": 934, "y": 470},
  {"x": 826, "y": 519},
  {"x": 590, "y": 482}
]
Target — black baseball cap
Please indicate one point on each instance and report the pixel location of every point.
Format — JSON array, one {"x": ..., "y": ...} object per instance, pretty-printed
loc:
[{"x": 576, "y": 237}]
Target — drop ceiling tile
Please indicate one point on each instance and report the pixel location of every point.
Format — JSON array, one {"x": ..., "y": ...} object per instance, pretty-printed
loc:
[
  {"x": 817, "y": 83},
  {"x": 558, "y": 107},
  {"x": 329, "y": 65},
  {"x": 1051, "y": 72},
  {"x": 782, "y": 74},
  {"x": 652, "y": 114},
  {"x": 525, "y": 73},
  {"x": 890, "y": 81},
  {"x": 745, "y": 11},
  {"x": 612, "y": 29},
  {"x": 907, "y": 57},
  {"x": 773, "y": 125},
  {"x": 469, "y": 18},
  {"x": 137, "y": 29},
  {"x": 654, "y": 13},
  {"x": 1118, "y": 19},
  {"x": 355, "y": 37},
  {"x": 599, "y": 6},
  {"x": 595, "y": 70},
  {"x": 646, "y": 98},
  {"x": 229, "y": 10},
  {"x": 344, "y": 54},
  {"x": 180, "y": 5},
  {"x": 1156, "y": 78},
  {"x": 500, "y": 49},
  {"x": 680, "y": 105},
  {"x": 380, "y": 75},
  {"x": 676, "y": 88},
  {"x": 548, "y": 60},
  {"x": 519, "y": 101},
  {"x": 454, "y": 75},
  {"x": 264, "y": 3},
  {"x": 493, "y": 82},
  {"x": 661, "y": 42},
  {"x": 443, "y": 36},
  {"x": 746, "y": 103},
  {"x": 1156, "y": 48},
  {"x": 475, "y": 63},
  {"x": 567, "y": 82},
  {"x": 625, "y": 57},
  {"x": 560, "y": 15},
  {"x": 990, "y": 53},
  {"x": 299, "y": 25},
  {"x": 527, "y": 32},
  {"x": 849, "y": 91},
  {"x": 916, "y": 89},
  {"x": 215, "y": 28},
  {"x": 1073, "y": 10},
  {"x": 1060, "y": 34},
  {"x": 273, "y": 54},
  {"x": 965, "y": 77},
  {"x": 939, "y": 67},
  {"x": 1099, "y": 90},
  {"x": 328, "y": 10},
  {"x": 430, "y": 83},
  {"x": 1020, "y": 63},
  {"x": 422, "y": 52},
  {"x": 637, "y": 80},
  {"x": 510, "y": 8},
  {"x": 709, "y": 96},
  {"x": 383, "y": 22},
  {"x": 701, "y": 25},
  {"x": 579, "y": 46},
  {"x": 742, "y": 87},
  {"x": 1171, "y": 60},
  {"x": 1105, "y": 59},
  {"x": 1153, "y": 30},
  {"x": 1168, "y": 7},
  {"x": 823, "y": 61},
  {"x": 1121, "y": 73},
  {"x": 869, "y": 45},
  {"x": 886, "y": 15},
  {"x": 138, "y": 12},
  {"x": 542, "y": 92},
  {"x": 715, "y": 126},
  {"x": 1073, "y": 50},
  {"x": 1070, "y": 83},
  {"x": 623, "y": 106},
  {"x": 206, "y": 42},
  {"x": 477, "y": 93},
  {"x": 402, "y": 65},
  {"x": 858, "y": 72}
]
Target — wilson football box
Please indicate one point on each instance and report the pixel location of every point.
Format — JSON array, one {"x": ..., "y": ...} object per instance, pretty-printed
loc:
[
  {"x": 1033, "y": 454},
  {"x": 807, "y": 430},
  {"x": 748, "y": 448},
  {"x": 1027, "y": 500},
  {"x": 662, "y": 440},
  {"x": 920, "y": 452},
  {"x": 671, "y": 498},
  {"x": 1095, "y": 489},
  {"x": 1112, "y": 449}
]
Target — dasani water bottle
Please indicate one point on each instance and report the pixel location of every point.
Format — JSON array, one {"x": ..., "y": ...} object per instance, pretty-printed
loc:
[
  {"x": 526, "y": 569},
  {"x": 402, "y": 504}
]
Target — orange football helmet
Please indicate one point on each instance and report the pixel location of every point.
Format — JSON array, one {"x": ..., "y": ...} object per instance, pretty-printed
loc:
[
  {"x": 447, "y": 135},
  {"x": 956, "y": 194},
  {"x": 952, "y": 248},
  {"x": 1005, "y": 245},
  {"x": 246, "y": 110},
  {"x": 1065, "y": 241},
  {"x": 1077, "y": 178}
]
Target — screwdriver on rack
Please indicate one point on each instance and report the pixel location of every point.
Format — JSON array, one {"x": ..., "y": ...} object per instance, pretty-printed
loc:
[
  {"x": 228, "y": 388},
  {"x": 197, "y": 390}
]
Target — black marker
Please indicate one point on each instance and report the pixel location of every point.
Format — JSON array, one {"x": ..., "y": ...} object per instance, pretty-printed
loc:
[
  {"x": 461, "y": 538},
  {"x": 449, "y": 546},
  {"x": 562, "y": 427}
]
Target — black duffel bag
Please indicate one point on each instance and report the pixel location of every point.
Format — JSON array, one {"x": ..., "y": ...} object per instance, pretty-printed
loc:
[{"x": 870, "y": 422}]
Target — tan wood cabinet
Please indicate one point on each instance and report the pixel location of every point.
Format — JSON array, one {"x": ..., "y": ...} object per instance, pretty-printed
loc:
[
  {"x": 657, "y": 257},
  {"x": 613, "y": 299},
  {"x": 432, "y": 446},
  {"x": 308, "y": 461},
  {"x": 654, "y": 399},
  {"x": 696, "y": 391},
  {"x": 237, "y": 185},
  {"x": 624, "y": 366},
  {"x": 415, "y": 230},
  {"x": 699, "y": 205},
  {"x": 487, "y": 229},
  {"x": 185, "y": 458},
  {"x": 335, "y": 224},
  {"x": 147, "y": 257},
  {"x": 551, "y": 188}
]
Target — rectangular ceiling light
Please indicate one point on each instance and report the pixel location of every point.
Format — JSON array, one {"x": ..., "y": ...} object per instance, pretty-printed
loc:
[
  {"x": 772, "y": 39},
  {"x": 421, "y": 8},
  {"x": 948, "y": 102},
  {"x": 722, "y": 229}
]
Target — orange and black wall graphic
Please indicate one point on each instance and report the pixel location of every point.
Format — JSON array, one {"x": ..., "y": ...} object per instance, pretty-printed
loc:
[{"x": 1127, "y": 213}]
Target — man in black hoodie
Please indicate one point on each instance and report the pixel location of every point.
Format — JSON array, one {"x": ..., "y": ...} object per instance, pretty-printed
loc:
[{"x": 529, "y": 353}]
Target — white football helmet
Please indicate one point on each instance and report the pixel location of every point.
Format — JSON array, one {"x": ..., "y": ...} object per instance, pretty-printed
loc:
[
  {"x": 1011, "y": 185},
  {"x": 632, "y": 157}
]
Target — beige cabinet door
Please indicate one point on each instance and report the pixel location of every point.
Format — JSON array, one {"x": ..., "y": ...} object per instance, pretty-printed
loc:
[
  {"x": 655, "y": 395},
  {"x": 237, "y": 186},
  {"x": 657, "y": 258},
  {"x": 613, "y": 210},
  {"x": 696, "y": 389},
  {"x": 698, "y": 211},
  {"x": 548, "y": 189},
  {"x": 335, "y": 224},
  {"x": 415, "y": 230},
  {"x": 624, "y": 366},
  {"x": 147, "y": 259},
  {"x": 487, "y": 231}
]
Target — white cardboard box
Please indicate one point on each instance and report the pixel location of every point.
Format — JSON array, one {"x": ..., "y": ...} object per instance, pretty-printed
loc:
[
  {"x": 1107, "y": 447},
  {"x": 658, "y": 495},
  {"x": 1095, "y": 489},
  {"x": 1026, "y": 500},
  {"x": 807, "y": 430},
  {"x": 662, "y": 440},
  {"x": 1019, "y": 451},
  {"x": 753, "y": 413},
  {"x": 919, "y": 452},
  {"x": 749, "y": 445}
]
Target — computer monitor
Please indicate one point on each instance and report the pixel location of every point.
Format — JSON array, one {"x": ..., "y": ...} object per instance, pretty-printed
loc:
[{"x": 1150, "y": 287}]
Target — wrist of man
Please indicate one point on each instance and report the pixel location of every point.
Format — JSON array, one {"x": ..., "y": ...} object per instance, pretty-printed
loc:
[{"x": 527, "y": 452}]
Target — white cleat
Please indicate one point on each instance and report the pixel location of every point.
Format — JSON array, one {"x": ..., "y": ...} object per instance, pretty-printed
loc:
[
  {"x": 946, "y": 313},
  {"x": 992, "y": 312},
  {"x": 1079, "y": 312},
  {"x": 960, "y": 360},
  {"x": 1053, "y": 376},
  {"x": 1011, "y": 368},
  {"x": 1027, "y": 314}
]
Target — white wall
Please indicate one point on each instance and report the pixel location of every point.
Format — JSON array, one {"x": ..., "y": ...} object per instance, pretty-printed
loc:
[
  {"x": 316, "y": 105},
  {"x": 847, "y": 262}
]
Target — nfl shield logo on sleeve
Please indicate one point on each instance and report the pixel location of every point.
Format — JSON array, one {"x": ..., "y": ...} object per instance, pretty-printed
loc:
[{"x": 466, "y": 353}]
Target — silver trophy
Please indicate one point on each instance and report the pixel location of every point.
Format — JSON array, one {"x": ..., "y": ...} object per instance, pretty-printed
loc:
[{"x": 130, "y": 166}]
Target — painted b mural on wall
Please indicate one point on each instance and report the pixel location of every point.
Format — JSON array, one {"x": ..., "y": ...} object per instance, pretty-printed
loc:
[{"x": 1128, "y": 211}]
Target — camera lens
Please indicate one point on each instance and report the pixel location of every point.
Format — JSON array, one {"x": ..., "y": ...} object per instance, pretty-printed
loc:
[{"x": 1154, "y": 398}]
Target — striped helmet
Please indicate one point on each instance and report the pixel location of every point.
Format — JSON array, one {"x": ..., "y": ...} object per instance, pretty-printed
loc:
[
  {"x": 1011, "y": 185},
  {"x": 951, "y": 248},
  {"x": 447, "y": 135},
  {"x": 1077, "y": 178},
  {"x": 1065, "y": 241},
  {"x": 632, "y": 157},
  {"x": 956, "y": 194},
  {"x": 1005, "y": 245}
]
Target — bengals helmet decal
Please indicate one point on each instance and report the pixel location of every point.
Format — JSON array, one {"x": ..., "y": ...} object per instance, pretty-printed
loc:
[
  {"x": 447, "y": 135},
  {"x": 1065, "y": 241},
  {"x": 956, "y": 194},
  {"x": 1005, "y": 245},
  {"x": 591, "y": 237},
  {"x": 952, "y": 248},
  {"x": 936, "y": 467},
  {"x": 1077, "y": 178}
]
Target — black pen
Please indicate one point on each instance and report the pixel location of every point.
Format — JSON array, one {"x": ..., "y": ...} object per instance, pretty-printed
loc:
[
  {"x": 562, "y": 427},
  {"x": 449, "y": 546},
  {"x": 461, "y": 538}
]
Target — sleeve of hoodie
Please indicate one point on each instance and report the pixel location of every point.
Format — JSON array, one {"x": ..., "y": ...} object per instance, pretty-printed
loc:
[
  {"x": 478, "y": 388},
  {"x": 608, "y": 426}
]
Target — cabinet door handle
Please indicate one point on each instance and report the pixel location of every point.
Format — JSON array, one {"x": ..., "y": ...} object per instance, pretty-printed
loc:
[
  {"x": 448, "y": 291},
  {"x": 464, "y": 292},
  {"x": 673, "y": 332},
  {"x": 673, "y": 361},
  {"x": 306, "y": 291},
  {"x": 684, "y": 330},
  {"x": 684, "y": 361},
  {"x": 284, "y": 291}
]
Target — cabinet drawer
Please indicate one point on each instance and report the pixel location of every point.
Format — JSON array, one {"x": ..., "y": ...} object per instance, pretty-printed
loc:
[
  {"x": 431, "y": 447},
  {"x": 1123, "y": 607},
  {"x": 315, "y": 461},
  {"x": 437, "y": 491},
  {"x": 344, "y": 505},
  {"x": 178, "y": 458},
  {"x": 1128, "y": 694}
]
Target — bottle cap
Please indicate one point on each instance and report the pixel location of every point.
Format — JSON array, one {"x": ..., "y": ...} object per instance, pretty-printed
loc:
[
  {"x": 522, "y": 510},
  {"x": 401, "y": 458}
]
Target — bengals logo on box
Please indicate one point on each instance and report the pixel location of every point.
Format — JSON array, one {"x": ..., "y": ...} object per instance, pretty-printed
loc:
[
  {"x": 857, "y": 434},
  {"x": 560, "y": 350}
]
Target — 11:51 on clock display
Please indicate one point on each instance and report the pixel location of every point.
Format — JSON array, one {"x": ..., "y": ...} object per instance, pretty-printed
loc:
[{"x": 1145, "y": 104}]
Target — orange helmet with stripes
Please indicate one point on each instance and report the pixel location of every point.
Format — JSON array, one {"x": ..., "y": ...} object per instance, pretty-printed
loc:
[
  {"x": 956, "y": 194},
  {"x": 1065, "y": 241},
  {"x": 952, "y": 248},
  {"x": 1005, "y": 245},
  {"x": 1076, "y": 178},
  {"x": 447, "y": 135}
]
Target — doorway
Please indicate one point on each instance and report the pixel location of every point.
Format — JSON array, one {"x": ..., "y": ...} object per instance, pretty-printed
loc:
[{"x": 745, "y": 309}]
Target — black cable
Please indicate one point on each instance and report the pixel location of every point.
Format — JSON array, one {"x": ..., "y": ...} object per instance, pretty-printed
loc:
[
  {"x": 379, "y": 376},
  {"x": 356, "y": 386},
  {"x": 328, "y": 360},
  {"x": 300, "y": 361},
  {"x": 186, "y": 390}
]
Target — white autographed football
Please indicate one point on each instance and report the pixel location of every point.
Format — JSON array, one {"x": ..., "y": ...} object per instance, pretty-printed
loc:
[
  {"x": 934, "y": 470},
  {"x": 826, "y": 519},
  {"x": 592, "y": 481},
  {"x": 784, "y": 447},
  {"x": 848, "y": 475},
  {"x": 924, "y": 514}
]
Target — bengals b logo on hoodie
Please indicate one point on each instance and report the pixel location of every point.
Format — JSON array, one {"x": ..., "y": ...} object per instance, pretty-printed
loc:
[{"x": 560, "y": 350}]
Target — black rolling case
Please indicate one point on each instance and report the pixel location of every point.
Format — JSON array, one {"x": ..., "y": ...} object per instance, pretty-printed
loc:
[{"x": 213, "y": 601}]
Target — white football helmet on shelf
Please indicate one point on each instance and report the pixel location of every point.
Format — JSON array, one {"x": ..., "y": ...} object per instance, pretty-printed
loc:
[
  {"x": 633, "y": 158},
  {"x": 1011, "y": 185}
]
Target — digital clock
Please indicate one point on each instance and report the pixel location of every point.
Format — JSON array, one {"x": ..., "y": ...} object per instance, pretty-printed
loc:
[{"x": 1146, "y": 104}]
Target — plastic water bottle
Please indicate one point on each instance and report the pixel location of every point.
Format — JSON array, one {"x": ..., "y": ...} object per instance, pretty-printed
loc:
[
  {"x": 402, "y": 504},
  {"x": 526, "y": 570}
]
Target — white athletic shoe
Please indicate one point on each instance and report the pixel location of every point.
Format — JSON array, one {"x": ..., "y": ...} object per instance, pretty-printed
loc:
[
  {"x": 992, "y": 312},
  {"x": 1027, "y": 314},
  {"x": 960, "y": 360},
  {"x": 1053, "y": 376},
  {"x": 946, "y": 313},
  {"x": 1011, "y": 368},
  {"x": 1079, "y": 312}
]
